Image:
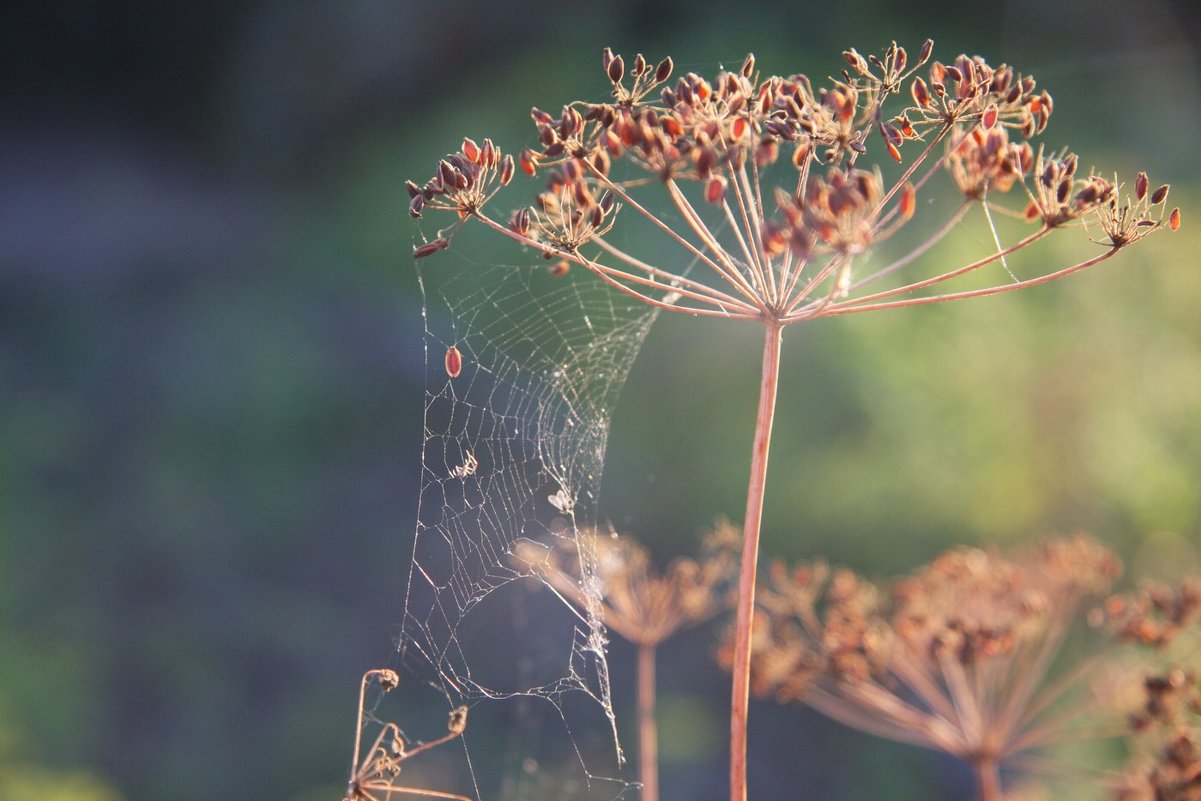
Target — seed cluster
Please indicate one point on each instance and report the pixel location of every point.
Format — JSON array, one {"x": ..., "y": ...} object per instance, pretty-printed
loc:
[
  {"x": 785, "y": 201},
  {"x": 641, "y": 605},
  {"x": 951, "y": 657}
]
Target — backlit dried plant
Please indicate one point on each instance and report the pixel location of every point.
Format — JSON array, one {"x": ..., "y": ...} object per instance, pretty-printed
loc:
[
  {"x": 643, "y": 607},
  {"x": 956, "y": 657},
  {"x": 1170, "y": 717},
  {"x": 773, "y": 189},
  {"x": 373, "y": 774}
]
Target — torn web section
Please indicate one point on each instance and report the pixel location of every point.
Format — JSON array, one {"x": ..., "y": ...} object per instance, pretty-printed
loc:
[{"x": 523, "y": 368}]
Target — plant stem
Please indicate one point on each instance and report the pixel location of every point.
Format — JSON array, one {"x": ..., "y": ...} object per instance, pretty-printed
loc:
[
  {"x": 740, "y": 692},
  {"x": 648, "y": 735},
  {"x": 989, "y": 777}
]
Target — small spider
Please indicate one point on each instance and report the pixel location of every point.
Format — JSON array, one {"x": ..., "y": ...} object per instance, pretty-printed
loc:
[
  {"x": 562, "y": 501},
  {"x": 372, "y": 776},
  {"x": 468, "y": 468}
]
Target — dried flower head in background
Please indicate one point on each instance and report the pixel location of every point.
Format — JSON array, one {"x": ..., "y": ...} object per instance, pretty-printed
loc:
[
  {"x": 955, "y": 657},
  {"x": 642, "y": 606},
  {"x": 1167, "y": 766}
]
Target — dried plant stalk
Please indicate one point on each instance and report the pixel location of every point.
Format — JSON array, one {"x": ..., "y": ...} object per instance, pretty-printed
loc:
[{"x": 784, "y": 205}]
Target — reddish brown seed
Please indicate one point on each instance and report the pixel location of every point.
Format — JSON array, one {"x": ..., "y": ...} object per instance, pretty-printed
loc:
[
  {"x": 559, "y": 268},
  {"x": 715, "y": 189},
  {"x": 471, "y": 150},
  {"x": 921, "y": 94},
  {"x": 900, "y": 59},
  {"x": 616, "y": 69},
  {"x": 800, "y": 155},
  {"x": 739, "y": 128},
  {"x": 855, "y": 61},
  {"x": 990, "y": 116},
  {"x": 526, "y": 161},
  {"x": 1141, "y": 184},
  {"x": 1159, "y": 195},
  {"x": 908, "y": 201},
  {"x": 927, "y": 49},
  {"x": 454, "y": 362},
  {"x": 506, "y": 170},
  {"x": 602, "y": 162},
  {"x": 663, "y": 71},
  {"x": 639, "y": 66},
  {"x": 1032, "y": 213},
  {"x": 893, "y": 151},
  {"x": 748, "y": 65},
  {"x": 521, "y": 221},
  {"x": 892, "y": 134},
  {"x": 416, "y": 205},
  {"x": 430, "y": 248},
  {"x": 1174, "y": 219}
]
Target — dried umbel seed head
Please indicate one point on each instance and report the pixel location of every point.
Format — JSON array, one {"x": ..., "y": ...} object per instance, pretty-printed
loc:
[
  {"x": 643, "y": 606},
  {"x": 710, "y": 141},
  {"x": 1154, "y": 615},
  {"x": 1140, "y": 215},
  {"x": 933, "y": 659}
]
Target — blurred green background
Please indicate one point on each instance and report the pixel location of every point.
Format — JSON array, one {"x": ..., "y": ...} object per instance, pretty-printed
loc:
[{"x": 211, "y": 369}]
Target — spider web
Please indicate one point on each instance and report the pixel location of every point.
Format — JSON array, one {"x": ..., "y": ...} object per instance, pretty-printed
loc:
[{"x": 513, "y": 450}]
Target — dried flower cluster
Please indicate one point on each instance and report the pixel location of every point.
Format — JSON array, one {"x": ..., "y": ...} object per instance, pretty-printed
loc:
[
  {"x": 725, "y": 134},
  {"x": 1170, "y": 717},
  {"x": 954, "y": 657},
  {"x": 645, "y": 608},
  {"x": 1155, "y": 615},
  {"x": 373, "y": 774}
]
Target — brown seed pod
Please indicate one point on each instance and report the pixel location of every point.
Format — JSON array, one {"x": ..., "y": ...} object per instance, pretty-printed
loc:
[
  {"x": 528, "y": 161},
  {"x": 715, "y": 189},
  {"x": 471, "y": 150},
  {"x": 1159, "y": 195},
  {"x": 1141, "y": 185},
  {"x": 616, "y": 69},
  {"x": 663, "y": 71},
  {"x": 453, "y": 362},
  {"x": 430, "y": 248},
  {"x": 989, "y": 118},
  {"x": 921, "y": 94},
  {"x": 748, "y": 66},
  {"x": 908, "y": 202},
  {"x": 927, "y": 49},
  {"x": 1174, "y": 220}
]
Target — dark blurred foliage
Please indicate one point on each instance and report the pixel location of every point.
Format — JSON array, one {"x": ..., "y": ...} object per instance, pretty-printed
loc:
[{"x": 211, "y": 368}]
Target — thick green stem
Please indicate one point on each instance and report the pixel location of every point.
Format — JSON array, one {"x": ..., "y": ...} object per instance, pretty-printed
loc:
[
  {"x": 648, "y": 736},
  {"x": 741, "y": 688}
]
